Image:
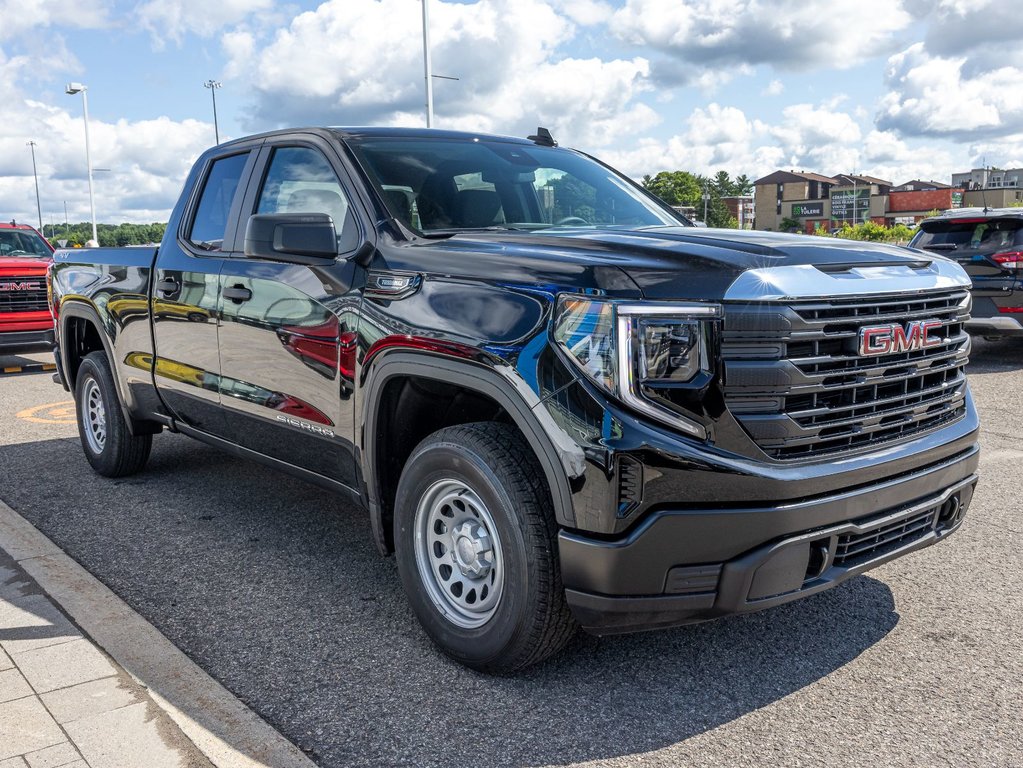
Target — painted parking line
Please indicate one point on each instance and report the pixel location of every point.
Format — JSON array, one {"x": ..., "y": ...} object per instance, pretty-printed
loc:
[
  {"x": 29, "y": 368},
  {"x": 51, "y": 413}
]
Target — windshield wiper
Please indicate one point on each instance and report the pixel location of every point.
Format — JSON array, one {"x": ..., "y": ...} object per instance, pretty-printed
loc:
[
  {"x": 209, "y": 245},
  {"x": 940, "y": 247}
]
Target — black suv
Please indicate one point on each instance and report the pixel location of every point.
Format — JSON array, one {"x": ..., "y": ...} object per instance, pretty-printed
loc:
[
  {"x": 559, "y": 404},
  {"x": 988, "y": 244}
]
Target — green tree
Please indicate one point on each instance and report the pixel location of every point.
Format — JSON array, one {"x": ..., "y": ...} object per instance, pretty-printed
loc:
[
  {"x": 675, "y": 187},
  {"x": 723, "y": 184},
  {"x": 743, "y": 185}
]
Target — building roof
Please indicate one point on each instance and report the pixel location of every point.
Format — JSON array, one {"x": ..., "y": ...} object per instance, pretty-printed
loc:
[
  {"x": 919, "y": 185},
  {"x": 848, "y": 179},
  {"x": 787, "y": 177}
]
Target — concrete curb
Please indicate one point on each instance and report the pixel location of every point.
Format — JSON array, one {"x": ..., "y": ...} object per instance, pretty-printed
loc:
[{"x": 227, "y": 732}]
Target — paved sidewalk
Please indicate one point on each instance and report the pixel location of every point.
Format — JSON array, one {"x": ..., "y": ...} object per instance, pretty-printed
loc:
[
  {"x": 86, "y": 681},
  {"x": 63, "y": 702}
]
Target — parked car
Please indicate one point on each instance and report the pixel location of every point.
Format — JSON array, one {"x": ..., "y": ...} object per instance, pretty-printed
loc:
[
  {"x": 560, "y": 403},
  {"x": 25, "y": 320},
  {"x": 988, "y": 244}
]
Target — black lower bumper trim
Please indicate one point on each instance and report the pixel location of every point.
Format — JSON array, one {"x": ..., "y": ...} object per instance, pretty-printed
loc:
[
  {"x": 784, "y": 569},
  {"x": 18, "y": 341}
]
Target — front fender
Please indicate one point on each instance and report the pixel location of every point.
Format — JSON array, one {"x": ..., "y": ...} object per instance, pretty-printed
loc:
[{"x": 560, "y": 457}]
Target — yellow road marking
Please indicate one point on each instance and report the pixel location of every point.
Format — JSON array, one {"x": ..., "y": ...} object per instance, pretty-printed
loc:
[
  {"x": 50, "y": 413},
  {"x": 30, "y": 368}
]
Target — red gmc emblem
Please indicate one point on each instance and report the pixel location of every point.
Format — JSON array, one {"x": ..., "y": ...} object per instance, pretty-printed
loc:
[
  {"x": 891, "y": 339},
  {"x": 21, "y": 286}
]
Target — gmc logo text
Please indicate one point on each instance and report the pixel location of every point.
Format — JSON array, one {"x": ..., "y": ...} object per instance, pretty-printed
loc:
[{"x": 894, "y": 338}]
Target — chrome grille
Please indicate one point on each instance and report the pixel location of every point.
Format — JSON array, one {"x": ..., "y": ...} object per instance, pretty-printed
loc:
[
  {"x": 794, "y": 380},
  {"x": 23, "y": 300}
]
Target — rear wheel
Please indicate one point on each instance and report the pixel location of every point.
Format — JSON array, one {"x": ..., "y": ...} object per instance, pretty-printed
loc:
[
  {"x": 476, "y": 544},
  {"x": 109, "y": 445}
]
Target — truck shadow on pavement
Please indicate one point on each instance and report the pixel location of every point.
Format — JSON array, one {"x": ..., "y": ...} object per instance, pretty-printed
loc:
[{"x": 274, "y": 587}]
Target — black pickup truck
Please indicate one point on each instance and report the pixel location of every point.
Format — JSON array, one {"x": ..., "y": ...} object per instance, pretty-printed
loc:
[{"x": 560, "y": 403}]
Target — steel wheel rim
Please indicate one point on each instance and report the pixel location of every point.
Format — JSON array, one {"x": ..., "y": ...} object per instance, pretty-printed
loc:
[
  {"x": 94, "y": 416},
  {"x": 458, "y": 553}
]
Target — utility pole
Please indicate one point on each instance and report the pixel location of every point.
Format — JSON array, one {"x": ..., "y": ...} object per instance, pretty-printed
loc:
[
  {"x": 39, "y": 208},
  {"x": 427, "y": 64},
  {"x": 213, "y": 85}
]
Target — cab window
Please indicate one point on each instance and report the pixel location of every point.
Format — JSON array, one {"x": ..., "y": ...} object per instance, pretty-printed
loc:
[
  {"x": 300, "y": 180},
  {"x": 211, "y": 214}
]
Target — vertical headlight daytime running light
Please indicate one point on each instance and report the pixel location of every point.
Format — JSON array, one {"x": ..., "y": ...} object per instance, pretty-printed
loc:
[{"x": 626, "y": 347}]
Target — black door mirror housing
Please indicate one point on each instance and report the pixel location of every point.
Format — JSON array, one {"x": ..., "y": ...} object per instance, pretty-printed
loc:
[{"x": 296, "y": 238}]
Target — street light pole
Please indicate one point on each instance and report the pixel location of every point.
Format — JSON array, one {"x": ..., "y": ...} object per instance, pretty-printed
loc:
[
  {"x": 71, "y": 90},
  {"x": 427, "y": 65},
  {"x": 213, "y": 85},
  {"x": 39, "y": 208}
]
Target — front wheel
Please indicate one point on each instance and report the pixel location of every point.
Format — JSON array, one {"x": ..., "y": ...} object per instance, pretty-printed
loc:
[
  {"x": 109, "y": 445},
  {"x": 476, "y": 545}
]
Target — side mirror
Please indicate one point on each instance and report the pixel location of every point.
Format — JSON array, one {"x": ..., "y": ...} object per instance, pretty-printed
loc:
[{"x": 296, "y": 238}]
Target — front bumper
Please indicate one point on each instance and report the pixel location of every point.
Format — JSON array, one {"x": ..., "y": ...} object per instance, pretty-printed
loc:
[
  {"x": 656, "y": 577},
  {"x": 23, "y": 341}
]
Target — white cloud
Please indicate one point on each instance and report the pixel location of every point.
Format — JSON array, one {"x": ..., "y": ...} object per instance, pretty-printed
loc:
[
  {"x": 935, "y": 96},
  {"x": 332, "y": 65},
  {"x": 20, "y": 16},
  {"x": 585, "y": 12},
  {"x": 709, "y": 34},
  {"x": 774, "y": 88},
  {"x": 172, "y": 19}
]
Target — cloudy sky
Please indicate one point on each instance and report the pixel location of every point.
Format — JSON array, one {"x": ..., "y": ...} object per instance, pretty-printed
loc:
[{"x": 899, "y": 89}]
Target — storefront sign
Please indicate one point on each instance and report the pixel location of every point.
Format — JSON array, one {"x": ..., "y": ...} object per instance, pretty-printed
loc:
[
  {"x": 807, "y": 210},
  {"x": 851, "y": 205}
]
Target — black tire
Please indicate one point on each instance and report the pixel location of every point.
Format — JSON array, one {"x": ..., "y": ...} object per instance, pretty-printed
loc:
[
  {"x": 119, "y": 453},
  {"x": 531, "y": 620}
]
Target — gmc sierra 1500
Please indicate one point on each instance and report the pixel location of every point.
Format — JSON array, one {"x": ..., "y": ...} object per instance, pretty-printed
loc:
[{"x": 561, "y": 404}]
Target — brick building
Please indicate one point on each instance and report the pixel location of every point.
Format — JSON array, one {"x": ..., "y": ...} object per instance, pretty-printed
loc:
[{"x": 910, "y": 202}]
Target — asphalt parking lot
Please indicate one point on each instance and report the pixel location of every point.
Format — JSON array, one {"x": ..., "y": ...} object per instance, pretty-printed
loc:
[{"x": 273, "y": 587}]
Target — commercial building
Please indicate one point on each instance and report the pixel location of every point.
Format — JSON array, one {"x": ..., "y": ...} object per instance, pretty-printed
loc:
[
  {"x": 915, "y": 200},
  {"x": 805, "y": 197},
  {"x": 990, "y": 187}
]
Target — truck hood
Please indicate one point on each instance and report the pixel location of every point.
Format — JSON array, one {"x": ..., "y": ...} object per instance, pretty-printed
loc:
[
  {"x": 16, "y": 265},
  {"x": 715, "y": 264}
]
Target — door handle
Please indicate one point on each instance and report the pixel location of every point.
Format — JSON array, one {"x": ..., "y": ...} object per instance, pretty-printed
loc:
[
  {"x": 167, "y": 286},
  {"x": 237, "y": 294}
]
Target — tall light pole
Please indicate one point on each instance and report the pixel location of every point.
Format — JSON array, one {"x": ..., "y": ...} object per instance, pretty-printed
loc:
[
  {"x": 427, "y": 65},
  {"x": 71, "y": 90},
  {"x": 39, "y": 208},
  {"x": 213, "y": 85}
]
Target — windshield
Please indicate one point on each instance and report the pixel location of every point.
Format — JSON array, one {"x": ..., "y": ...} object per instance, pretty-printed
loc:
[
  {"x": 439, "y": 186},
  {"x": 970, "y": 236},
  {"x": 22, "y": 242}
]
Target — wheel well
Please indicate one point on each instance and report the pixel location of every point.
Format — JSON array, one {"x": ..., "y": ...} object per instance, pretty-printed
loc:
[
  {"x": 80, "y": 337},
  {"x": 412, "y": 408}
]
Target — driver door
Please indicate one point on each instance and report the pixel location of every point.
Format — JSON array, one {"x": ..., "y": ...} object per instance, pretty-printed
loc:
[{"x": 288, "y": 330}]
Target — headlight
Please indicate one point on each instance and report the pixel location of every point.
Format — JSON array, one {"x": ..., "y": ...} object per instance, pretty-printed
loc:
[{"x": 641, "y": 353}]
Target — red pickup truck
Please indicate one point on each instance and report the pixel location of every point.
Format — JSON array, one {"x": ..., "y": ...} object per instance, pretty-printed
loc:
[{"x": 25, "y": 319}]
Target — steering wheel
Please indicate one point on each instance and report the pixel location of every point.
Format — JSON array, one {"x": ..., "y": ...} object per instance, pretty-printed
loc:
[{"x": 572, "y": 220}]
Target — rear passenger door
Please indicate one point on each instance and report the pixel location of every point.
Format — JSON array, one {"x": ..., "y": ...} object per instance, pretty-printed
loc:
[
  {"x": 287, "y": 337},
  {"x": 185, "y": 294}
]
